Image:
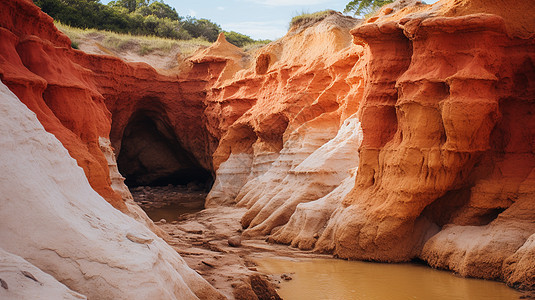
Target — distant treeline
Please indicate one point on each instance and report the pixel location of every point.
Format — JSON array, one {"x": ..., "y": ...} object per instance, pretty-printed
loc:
[{"x": 139, "y": 17}]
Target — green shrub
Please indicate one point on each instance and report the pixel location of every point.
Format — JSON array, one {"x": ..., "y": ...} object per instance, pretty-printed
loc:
[
  {"x": 365, "y": 7},
  {"x": 238, "y": 39},
  {"x": 160, "y": 10},
  {"x": 201, "y": 28}
]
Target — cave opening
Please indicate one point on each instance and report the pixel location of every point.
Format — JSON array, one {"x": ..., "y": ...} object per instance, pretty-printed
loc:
[{"x": 152, "y": 155}]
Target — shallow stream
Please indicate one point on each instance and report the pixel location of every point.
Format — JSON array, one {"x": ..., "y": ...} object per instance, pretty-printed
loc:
[
  {"x": 335, "y": 279},
  {"x": 174, "y": 211},
  {"x": 344, "y": 280},
  {"x": 169, "y": 202}
]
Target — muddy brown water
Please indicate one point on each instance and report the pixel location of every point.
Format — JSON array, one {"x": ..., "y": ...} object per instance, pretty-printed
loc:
[
  {"x": 174, "y": 211},
  {"x": 168, "y": 202},
  {"x": 335, "y": 279}
]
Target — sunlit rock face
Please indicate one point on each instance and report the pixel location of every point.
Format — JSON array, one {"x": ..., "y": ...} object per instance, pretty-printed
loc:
[
  {"x": 452, "y": 160},
  {"x": 409, "y": 135},
  {"x": 291, "y": 100},
  {"x": 444, "y": 98},
  {"x": 338, "y": 159}
]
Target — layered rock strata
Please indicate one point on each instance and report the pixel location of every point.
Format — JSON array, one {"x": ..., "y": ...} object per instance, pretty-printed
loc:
[
  {"x": 100, "y": 252},
  {"x": 410, "y": 136},
  {"x": 39, "y": 66},
  {"x": 444, "y": 168},
  {"x": 294, "y": 101}
]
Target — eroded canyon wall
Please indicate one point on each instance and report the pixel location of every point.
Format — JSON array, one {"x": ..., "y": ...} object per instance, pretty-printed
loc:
[
  {"x": 409, "y": 135},
  {"x": 443, "y": 163}
]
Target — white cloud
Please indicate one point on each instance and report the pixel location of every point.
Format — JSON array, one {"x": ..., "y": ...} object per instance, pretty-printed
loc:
[
  {"x": 192, "y": 13},
  {"x": 288, "y": 2},
  {"x": 259, "y": 30},
  {"x": 220, "y": 8}
]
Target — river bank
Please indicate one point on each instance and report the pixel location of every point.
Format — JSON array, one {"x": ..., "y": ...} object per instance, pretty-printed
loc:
[{"x": 210, "y": 241}]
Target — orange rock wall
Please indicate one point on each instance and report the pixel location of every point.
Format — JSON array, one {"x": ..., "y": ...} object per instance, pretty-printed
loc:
[
  {"x": 441, "y": 99},
  {"x": 446, "y": 162},
  {"x": 430, "y": 128}
]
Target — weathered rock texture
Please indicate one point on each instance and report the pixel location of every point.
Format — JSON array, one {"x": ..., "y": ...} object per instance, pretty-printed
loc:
[
  {"x": 295, "y": 97},
  {"x": 50, "y": 214},
  {"x": 445, "y": 170},
  {"x": 410, "y": 135},
  {"x": 76, "y": 96},
  {"x": 35, "y": 64},
  {"x": 456, "y": 152}
]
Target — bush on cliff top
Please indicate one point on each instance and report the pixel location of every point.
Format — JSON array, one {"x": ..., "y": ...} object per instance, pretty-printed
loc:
[
  {"x": 364, "y": 7},
  {"x": 307, "y": 19}
]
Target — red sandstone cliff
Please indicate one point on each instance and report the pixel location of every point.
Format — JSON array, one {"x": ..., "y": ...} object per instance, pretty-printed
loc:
[
  {"x": 51, "y": 214},
  {"x": 35, "y": 64},
  {"x": 446, "y": 144},
  {"x": 412, "y": 135}
]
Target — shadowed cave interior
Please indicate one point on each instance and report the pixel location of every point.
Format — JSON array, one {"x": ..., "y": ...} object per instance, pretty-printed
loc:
[{"x": 152, "y": 155}]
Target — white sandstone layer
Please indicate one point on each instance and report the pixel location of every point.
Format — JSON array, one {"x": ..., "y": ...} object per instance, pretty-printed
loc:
[
  {"x": 314, "y": 161},
  {"x": 339, "y": 156},
  {"x": 309, "y": 220},
  {"x": 21, "y": 280},
  {"x": 51, "y": 217},
  {"x": 271, "y": 198},
  {"x": 230, "y": 178}
]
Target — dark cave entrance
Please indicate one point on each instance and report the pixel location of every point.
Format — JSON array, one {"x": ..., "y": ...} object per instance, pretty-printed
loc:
[{"x": 152, "y": 155}]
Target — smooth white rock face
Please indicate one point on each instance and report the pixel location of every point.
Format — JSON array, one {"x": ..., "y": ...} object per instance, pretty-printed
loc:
[
  {"x": 51, "y": 217},
  {"x": 20, "y": 279},
  {"x": 338, "y": 157},
  {"x": 313, "y": 162},
  {"x": 230, "y": 178},
  {"x": 309, "y": 220},
  {"x": 272, "y": 197}
]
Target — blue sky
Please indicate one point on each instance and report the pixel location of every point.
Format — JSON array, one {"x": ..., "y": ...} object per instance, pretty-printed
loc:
[{"x": 259, "y": 19}]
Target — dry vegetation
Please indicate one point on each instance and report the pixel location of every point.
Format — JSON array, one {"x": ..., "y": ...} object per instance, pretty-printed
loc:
[
  {"x": 308, "y": 19},
  {"x": 142, "y": 45}
]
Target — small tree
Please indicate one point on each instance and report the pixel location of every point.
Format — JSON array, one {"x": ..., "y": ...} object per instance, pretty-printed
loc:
[
  {"x": 238, "y": 39},
  {"x": 160, "y": 10},
  {"x": 364, "y": 7},
  {"x": 131, "y": 5},
  {"x": 203, "y": 28}
]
